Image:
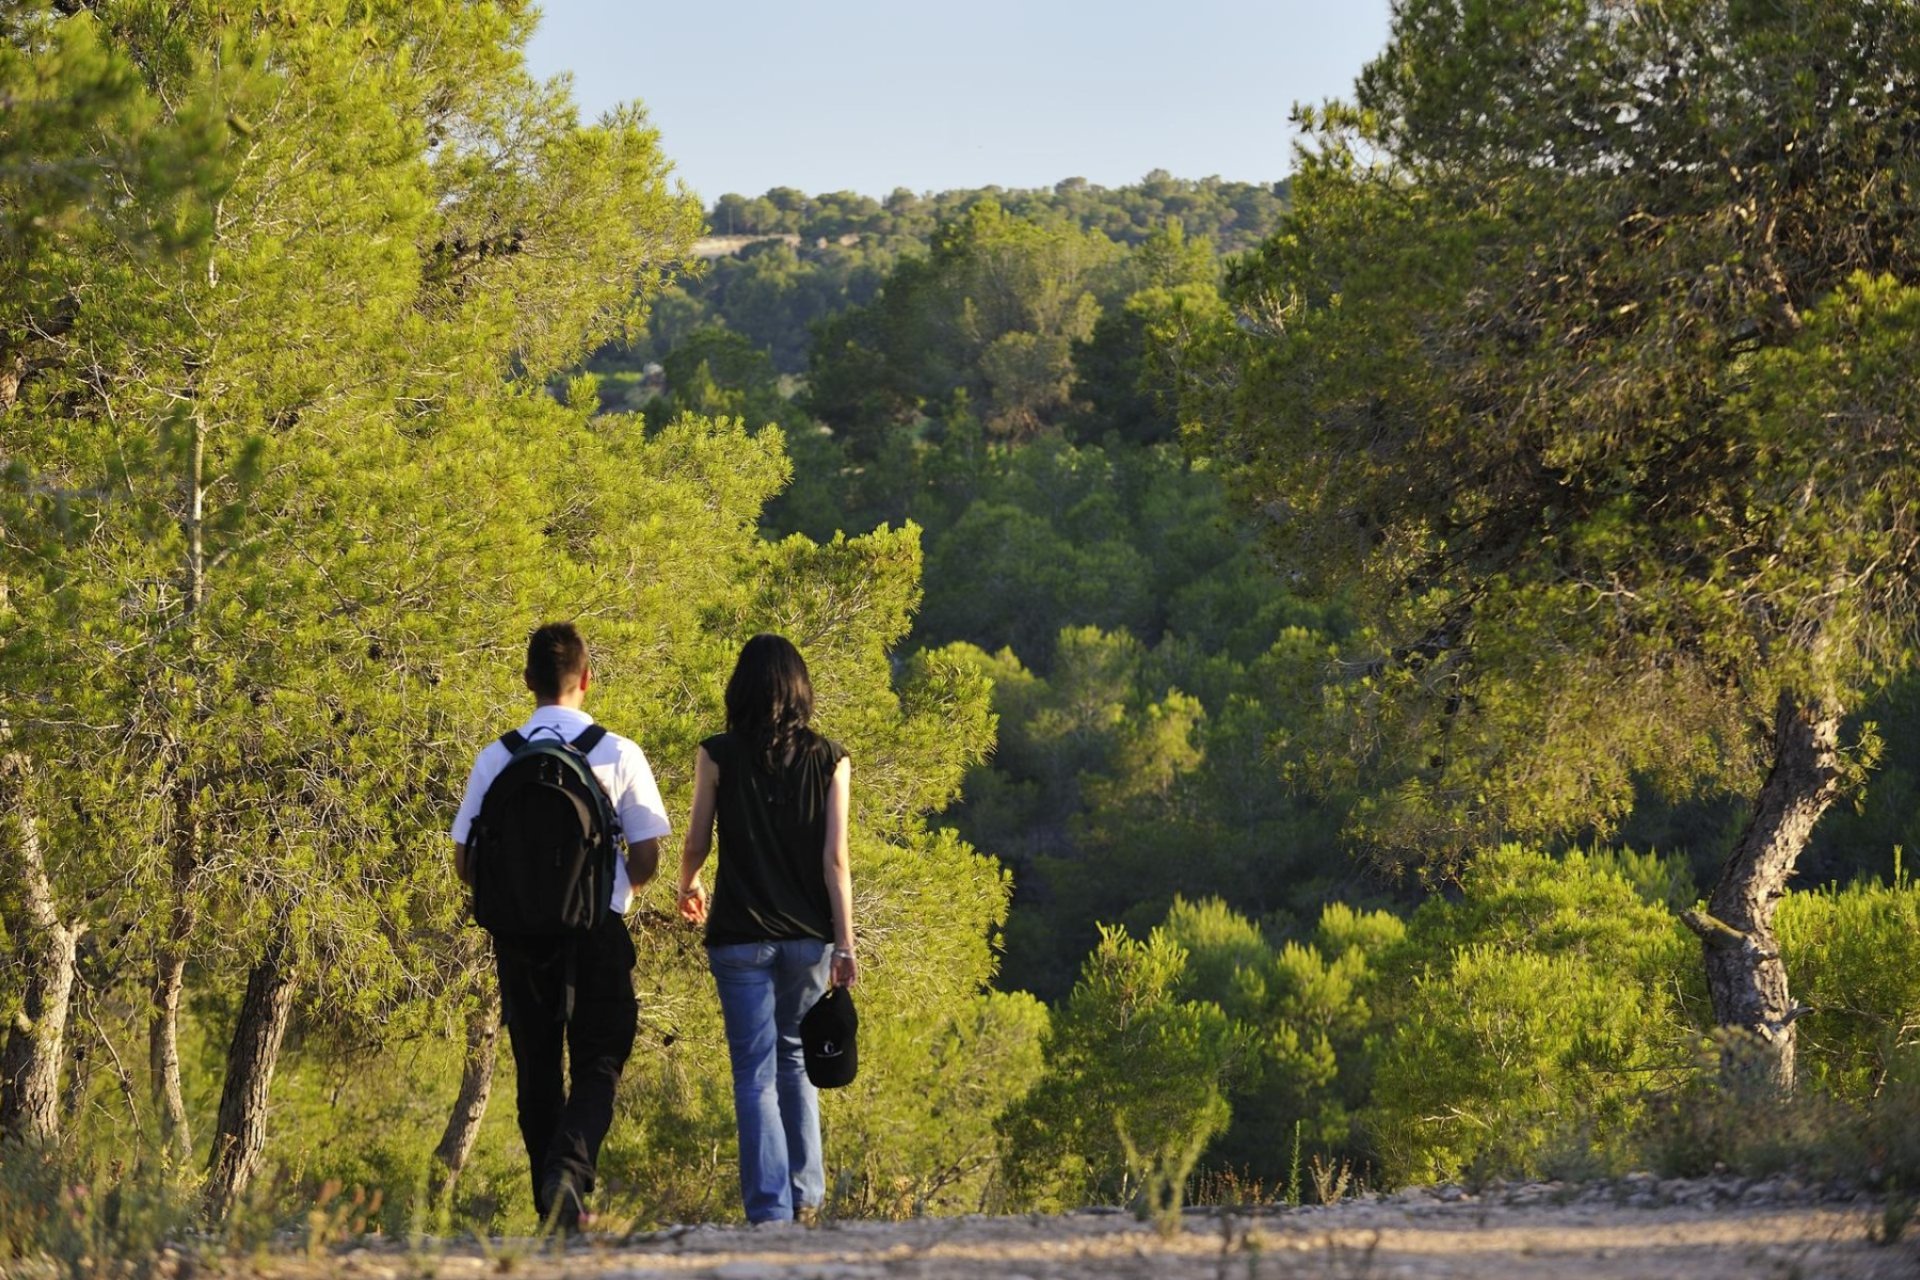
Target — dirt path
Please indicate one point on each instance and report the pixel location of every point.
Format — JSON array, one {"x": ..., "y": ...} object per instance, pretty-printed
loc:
[{"x": 1378, "y": 1240}]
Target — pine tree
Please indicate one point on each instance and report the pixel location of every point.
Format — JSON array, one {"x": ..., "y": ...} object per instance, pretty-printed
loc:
[{"x": 1578, "y": 367}]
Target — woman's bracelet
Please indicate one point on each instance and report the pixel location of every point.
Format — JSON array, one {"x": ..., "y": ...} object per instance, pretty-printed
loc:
[{"x": 843, "y": 953}]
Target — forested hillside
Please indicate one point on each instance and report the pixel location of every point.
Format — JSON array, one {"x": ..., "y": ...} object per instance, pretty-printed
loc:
[
  {"x": 844, "y": 245},
  {"x": 1008, "y": 387},
  {"x": 1204, "y": 813},
  {"x": 1402, "y": 673}
]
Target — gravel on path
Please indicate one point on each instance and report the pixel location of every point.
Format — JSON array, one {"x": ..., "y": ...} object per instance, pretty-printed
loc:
[{"x": 1441, "y": 1234}]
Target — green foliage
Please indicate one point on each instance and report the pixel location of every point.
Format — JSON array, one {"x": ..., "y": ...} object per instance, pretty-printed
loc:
[
  {"x": 285, "y": 493},
  {"x": 1701, "y": 1128},
  {"x": 1308, "y": 1008},
  {"x": 1027, "y": 576},
  {"x": 84, "y": 1219},
  {"x": 1103, "y": 1117},
  {"x": 773, "y": 294},
  {"x": 716, "y": 371},
  {"x": 1161, "y": 655},
  {"x": 1590, "y": 404},
  {"x": 1531, "y": 1021},
  {"x": 1855, "y": 956},
  {"x": 1892, "y": 1146},
  {"x": 921, "y": 1138},
  {"x": 1876, "y": 1141},
  {"x": 1235, "y": 214},
  {"x": 1584, "y": 393},
  {"x": 1135, "y": 766},
  {"x": 993, "y": 310},
  {"x": 1865, "y": 839},
  {"x": 293, "y": 450},
  {"x": 1114, "y": 790},
  {"x": 1261, "y": 1039},
  {"x": 1128, "y": 369},
  {"x": 393, "y": 1093},
  {"x": 806, "y": 259}
]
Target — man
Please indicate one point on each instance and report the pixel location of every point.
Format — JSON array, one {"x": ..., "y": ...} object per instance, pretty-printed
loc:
[{"x": 563, "y": 1127}]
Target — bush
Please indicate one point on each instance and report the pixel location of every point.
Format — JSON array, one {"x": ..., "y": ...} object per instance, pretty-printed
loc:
[
  {"x": 1135, "y": 1079},
  {"x": 1704, "y": 1127},
  {"x": 1532, "y": 1019},
  {"x": 73, "y": 1216},
  {"x": 1853, "y": 955},
  {"x": 1305, "y": 1008},
  {"x": 1891, "y": 1149},
  {"x": 925, "y": 1139},
  {"x": 1510, "y": 1062}
]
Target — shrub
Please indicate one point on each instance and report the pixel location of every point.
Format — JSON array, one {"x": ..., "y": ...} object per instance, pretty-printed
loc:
[
  {"x": 1853, "y": 955},
  {"x": 1532, "y": 1017},
  {"x": 1124, "y": 1054},
  {"x": 1306, "y": 1010},
  {"x": 927, "y": 1141},
  {"x": 1891, "y": 1149},
  {"x": 70, "y": 1213},
  {"x": 1704, "y": 1127}
]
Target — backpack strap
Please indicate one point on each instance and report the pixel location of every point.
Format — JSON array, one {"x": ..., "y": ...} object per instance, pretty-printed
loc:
[
  {"x": 512, "y": 741},
  {"x": 590, "y": 737}
]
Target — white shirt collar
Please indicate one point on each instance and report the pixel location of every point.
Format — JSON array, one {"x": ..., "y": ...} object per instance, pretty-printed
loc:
[{"x": 566, "y": 720}]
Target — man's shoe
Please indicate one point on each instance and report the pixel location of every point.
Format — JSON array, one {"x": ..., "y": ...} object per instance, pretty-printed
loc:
[
  {"x": 807, "y": 1215},
  {"x": 565, "y": 1215}
]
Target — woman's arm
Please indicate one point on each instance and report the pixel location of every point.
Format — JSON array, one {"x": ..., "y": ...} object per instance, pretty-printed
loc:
[
  {"x": 846, "y": 970},
  {"x": 692, "y": 894}
]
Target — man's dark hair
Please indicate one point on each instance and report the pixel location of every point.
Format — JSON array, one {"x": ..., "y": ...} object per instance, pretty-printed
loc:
[
  {"x": 770, "y": 697},
  {"x": 556, "y": 655}
]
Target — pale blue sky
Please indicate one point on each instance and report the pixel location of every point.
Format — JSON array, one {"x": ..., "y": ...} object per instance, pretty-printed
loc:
[{"x": 868, "y": 96}]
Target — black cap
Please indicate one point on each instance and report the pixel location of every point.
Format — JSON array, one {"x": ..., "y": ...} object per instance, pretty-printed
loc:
[{"x": 829, "y": 1040}]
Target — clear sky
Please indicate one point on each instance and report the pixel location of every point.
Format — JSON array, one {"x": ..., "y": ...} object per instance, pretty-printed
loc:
[{"x": 866, "y": 95}]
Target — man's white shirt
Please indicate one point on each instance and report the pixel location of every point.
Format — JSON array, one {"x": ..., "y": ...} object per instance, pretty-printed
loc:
[{"x": 619, "y": 765}]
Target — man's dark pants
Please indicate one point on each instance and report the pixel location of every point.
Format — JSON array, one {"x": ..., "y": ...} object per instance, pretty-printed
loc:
[{"x": 563, "y": 1127}]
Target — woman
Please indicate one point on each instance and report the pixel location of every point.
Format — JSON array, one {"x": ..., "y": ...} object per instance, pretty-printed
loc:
[{"x": 780, "y": 926}]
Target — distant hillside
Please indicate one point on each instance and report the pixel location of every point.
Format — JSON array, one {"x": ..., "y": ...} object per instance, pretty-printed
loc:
[
  {"x": 1235, "y": 215},
  {"x": 778, "y": 264}
]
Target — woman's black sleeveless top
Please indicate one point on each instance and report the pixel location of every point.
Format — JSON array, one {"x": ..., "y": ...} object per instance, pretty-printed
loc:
[{"x": 770, "y": 884}]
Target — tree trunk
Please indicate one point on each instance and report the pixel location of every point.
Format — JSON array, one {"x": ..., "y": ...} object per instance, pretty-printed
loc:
[
  {"x": 163, "y": 1053},
  {"x": 36, "y": 1043},
  {"x": 476, "y": 1086},
  {"x": 241, "y": 1132},
  {"x": 170, "y": 964},
  {"x": 1745, "y": 977},
  {"x": 170, "y": 973},
  {"x": 194, "y": 524}
]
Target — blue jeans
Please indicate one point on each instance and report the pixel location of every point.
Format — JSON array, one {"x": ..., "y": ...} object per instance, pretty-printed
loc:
[{"x": 765, "y": 988}]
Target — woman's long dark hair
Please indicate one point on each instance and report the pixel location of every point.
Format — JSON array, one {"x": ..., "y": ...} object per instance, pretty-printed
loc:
[{"x": 770, "y": 698}]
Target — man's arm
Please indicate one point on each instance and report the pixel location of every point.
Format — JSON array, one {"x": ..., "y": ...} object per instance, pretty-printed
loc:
[
  {"x": 636, "y": 800},
  {"x": 643, "y": 861},
  {"x": 478, "y": 779}
]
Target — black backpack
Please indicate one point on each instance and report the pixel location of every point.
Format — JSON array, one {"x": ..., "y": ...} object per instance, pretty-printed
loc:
[{"x": 542, "y": 849}]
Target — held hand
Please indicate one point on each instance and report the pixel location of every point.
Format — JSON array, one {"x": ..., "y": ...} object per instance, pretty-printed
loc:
[
  {"x": 846, "y": 970},
  {"x": 693, "y": 903}
]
